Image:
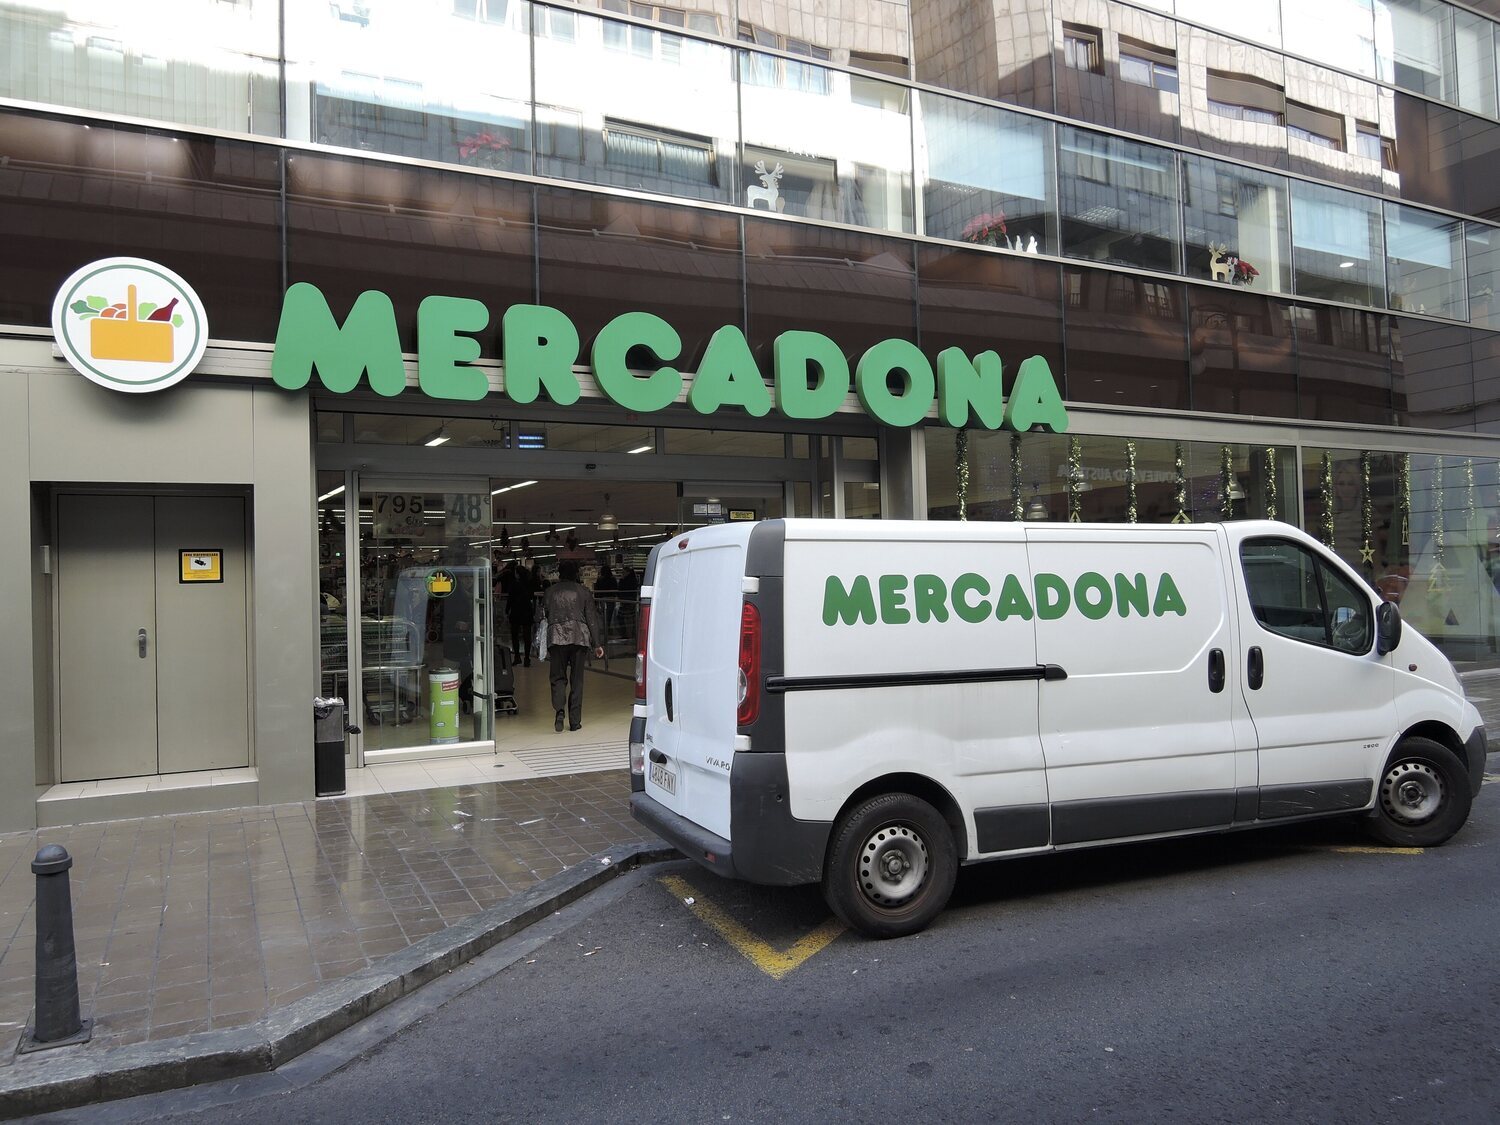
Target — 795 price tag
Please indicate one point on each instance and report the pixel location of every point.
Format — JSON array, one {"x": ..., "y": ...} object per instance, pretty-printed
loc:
[{"x": 399, "y": 515}]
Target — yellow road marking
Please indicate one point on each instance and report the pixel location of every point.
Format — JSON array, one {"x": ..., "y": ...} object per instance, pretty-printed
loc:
[
  {"x": 1378, "y": 851},
  {"x": 775, "y": 963},
  {"x": 1492, "y": 777}
]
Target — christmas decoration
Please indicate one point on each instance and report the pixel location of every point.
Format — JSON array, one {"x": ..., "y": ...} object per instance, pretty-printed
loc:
[
  {"x": 1366, "y": 544},
  {"x": 1075, "y": 481},
  {"x": 1325, "y": 496},
  {"x": 1438, "y": 529},
  {"x": 1226, "y": 481},
  {"x": 1132, "y": 513},
  {"x": 1403, "y": 474},
  {"x": 1016, "y": 511},
  {"x": 1179, "y": 476},
  {"x": 1271, "y": 508},
  {"x": 961, "y": 469}
]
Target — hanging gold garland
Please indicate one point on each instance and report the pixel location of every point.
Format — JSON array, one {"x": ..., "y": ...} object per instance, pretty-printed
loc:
[
  {"x": 1403, "y": 473},
  {"x": 1226, "y": 482},
  {"x": 1325, "y": 489},
  {"x": 961, "y": 469},
  {"x": 1075, "y": 481},
  {"x": 1469, "y": 493},
  {"x": 1179, "y": 477},
  {"x": 1271, "y": 510},
  {"x": 1438, "y": 528},
  {"x": 1016, "y": 511},
  {"x": 1132, "y": 513},
  {"x": 1366, "y": 540}
]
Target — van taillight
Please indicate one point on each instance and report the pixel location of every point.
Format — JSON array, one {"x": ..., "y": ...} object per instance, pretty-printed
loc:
[
  {"x": 643, "y": 624},
  {"x": 749, "y": 686}
]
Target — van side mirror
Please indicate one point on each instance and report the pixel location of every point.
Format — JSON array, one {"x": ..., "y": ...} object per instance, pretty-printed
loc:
[{"x": 1387, "y": 627}]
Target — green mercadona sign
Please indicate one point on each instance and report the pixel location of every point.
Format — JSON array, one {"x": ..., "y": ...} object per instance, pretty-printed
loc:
[{"x": 540, "y": 349}]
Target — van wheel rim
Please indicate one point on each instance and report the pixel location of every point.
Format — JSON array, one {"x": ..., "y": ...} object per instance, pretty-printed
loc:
[
  {"x": 1411, "y": 793},
  {"x": 892, "y": 865}
]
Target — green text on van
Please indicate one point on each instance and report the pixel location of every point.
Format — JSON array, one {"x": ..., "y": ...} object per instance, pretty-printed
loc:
[{"x": 897, "y": 599}]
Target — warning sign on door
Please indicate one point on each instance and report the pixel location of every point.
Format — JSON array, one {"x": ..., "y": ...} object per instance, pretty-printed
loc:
[{"x": 200, "y": 566}]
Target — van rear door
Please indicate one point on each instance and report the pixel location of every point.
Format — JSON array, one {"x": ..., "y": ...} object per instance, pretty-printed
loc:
[{"x": 692, "y": 668}]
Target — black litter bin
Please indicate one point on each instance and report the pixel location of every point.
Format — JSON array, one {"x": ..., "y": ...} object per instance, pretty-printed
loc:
[{"x": 329, "y": 731}]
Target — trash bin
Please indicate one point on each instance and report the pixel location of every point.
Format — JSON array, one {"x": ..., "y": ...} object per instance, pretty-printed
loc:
[
  {"x": 442, "y": 696},
  {"x": 329, "y": 729}
]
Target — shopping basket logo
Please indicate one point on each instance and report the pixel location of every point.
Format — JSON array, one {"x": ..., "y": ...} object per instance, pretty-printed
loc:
[{"x": 130, "y": 324}]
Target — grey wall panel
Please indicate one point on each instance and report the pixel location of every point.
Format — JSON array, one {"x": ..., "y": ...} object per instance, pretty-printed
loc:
[
  {"x": 199, "y": 433},
  {"x": 284, "y": 591},
  {"x": 17, "y": 694},
  {"x": 41, "y": 632}
]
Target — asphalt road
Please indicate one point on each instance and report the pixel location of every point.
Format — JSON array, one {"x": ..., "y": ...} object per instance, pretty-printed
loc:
[{"x": 1250, "y": 977}]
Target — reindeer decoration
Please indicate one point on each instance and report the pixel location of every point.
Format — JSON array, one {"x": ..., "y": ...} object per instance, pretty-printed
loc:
[
  {"x": 1219, "y": 265},
  {"x": 769, "y": 191}
]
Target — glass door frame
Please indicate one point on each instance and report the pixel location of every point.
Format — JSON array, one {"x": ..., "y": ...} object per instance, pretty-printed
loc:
[{"x": 355, "y": 483}]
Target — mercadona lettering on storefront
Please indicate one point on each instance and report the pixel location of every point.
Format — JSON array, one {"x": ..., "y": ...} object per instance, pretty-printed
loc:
[{"x": 540, "y": 348}]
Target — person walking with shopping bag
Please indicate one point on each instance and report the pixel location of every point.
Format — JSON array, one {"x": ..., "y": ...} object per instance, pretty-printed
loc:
[{"x": 573, "y": 627}]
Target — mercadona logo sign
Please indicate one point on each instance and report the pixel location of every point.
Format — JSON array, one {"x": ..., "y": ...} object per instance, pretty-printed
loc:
[{"x": 129, "y": 324}]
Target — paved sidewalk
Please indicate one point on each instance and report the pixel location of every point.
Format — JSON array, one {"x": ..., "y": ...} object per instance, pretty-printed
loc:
[{"x": 206, "y": 921}]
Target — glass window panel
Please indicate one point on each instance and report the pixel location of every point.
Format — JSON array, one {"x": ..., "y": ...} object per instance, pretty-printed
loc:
[
  {"x": 330, "y": 425},
  {"x": 1118, "y": 200},
  {"x": 1343, "y": 364},
  {"x": 203, "y": 207},
  {"x": 215, "y": 69},
  {"x": 860, "y": 449},
  {"x": 856, "y": 288},
  {"x": 1338, "y": 33},
  {"x": 981, "y": 302},
  {"x": 450, "y": 85},
  {"x": 988, "y": 176},
  {"x": 1243, "y": 353},
  {"x": 603, "y": 256},
  {"x": 1482, "y": 244},
  {"x": 1257, "y": 21},
  {"x": 1450, "y": 557},
  {"x": 1126, "y": 339},
  {"x": 1413, "y": 43},
  {"x": 837, "y": 148},
  {"x": 656, "y": 112},
  {"x": 1474, "y": 61},
  {"x": 1432, "y": 367},
  {"x": 1425, "y": 262},
  {"x": 1238, "y": 225},
  {"x": 1338, "y": 251},
  {"x": 419, "y": 230}
]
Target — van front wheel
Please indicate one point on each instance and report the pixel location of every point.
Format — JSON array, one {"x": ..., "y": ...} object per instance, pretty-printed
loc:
[
  {"x": 1423, "y": 796},
  {"x": 892, "y": 866}
]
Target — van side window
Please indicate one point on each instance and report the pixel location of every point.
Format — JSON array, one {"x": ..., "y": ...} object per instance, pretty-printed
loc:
[{"x": 1295, "y": 593}]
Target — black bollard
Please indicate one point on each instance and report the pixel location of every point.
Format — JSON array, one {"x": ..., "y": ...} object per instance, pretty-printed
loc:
[{"x": 57, "y": 1020}]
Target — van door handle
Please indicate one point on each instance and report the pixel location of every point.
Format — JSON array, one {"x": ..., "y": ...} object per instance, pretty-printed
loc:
[
  {"x": 1256, "y": 667},
  {"x": 140, "y": 643},
  {"x": 658, "y": 757},
  {"x": 1216, "y": 671}
]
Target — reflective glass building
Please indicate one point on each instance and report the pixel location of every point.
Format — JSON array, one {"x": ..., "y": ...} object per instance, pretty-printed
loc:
[{"x": 1256, "y": 244}]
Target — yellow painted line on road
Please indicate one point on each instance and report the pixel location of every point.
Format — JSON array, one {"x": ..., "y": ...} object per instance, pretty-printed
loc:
[
  {"x": 1377, "y": 851},
  {"x": 1492, "y": 777},
  {"x": 775, "y": 963}
]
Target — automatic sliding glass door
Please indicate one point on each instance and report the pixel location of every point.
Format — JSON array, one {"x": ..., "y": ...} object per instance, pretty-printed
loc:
[{"x": 425, "y": 630}]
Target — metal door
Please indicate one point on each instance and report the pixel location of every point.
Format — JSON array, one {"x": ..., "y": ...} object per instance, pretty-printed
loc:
[
  {"x": 106, "y": 641},
  {"x": 203, "y": 712}
]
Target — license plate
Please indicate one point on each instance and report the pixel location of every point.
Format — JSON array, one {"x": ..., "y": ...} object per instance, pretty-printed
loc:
[{"x": 663, "y": 778}]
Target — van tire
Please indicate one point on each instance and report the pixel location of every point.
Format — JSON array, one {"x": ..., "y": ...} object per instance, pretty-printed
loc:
[
  {"x": 1421, "y": 797},
  {"x": 915, "y": 843}
]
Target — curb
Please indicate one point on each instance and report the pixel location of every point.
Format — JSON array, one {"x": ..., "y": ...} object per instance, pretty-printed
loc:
[{"x": 69, "y": 1079}]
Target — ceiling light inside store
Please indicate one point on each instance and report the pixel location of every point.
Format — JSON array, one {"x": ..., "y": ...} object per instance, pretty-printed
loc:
[
  {"x": 640, "y": 449},
  {"x": 607, "y": 521},
  {"x": 330, "y": 495},
  {"x": 509, "y": 487},
  {"x": 1346, "y": 265},
  {"x": 438, "y": 438}
]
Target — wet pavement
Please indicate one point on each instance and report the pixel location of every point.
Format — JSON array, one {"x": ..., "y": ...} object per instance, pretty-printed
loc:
[{"x": 203, "y": 921}]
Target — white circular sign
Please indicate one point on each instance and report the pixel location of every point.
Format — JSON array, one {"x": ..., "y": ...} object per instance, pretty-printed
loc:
[{"x": 129, "y": 324}]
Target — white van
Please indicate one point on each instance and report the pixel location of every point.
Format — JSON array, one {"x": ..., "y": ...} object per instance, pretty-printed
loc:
[{"x": 868, "y": 704}]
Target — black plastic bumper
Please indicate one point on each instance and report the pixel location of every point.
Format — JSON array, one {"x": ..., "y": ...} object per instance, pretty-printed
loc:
[
  {"x": 1475, "y": 750},
  {"x": 690, "y": 839}
]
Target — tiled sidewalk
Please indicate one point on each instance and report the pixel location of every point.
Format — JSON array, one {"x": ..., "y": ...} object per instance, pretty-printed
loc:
[{"x": 209, "y": 920}]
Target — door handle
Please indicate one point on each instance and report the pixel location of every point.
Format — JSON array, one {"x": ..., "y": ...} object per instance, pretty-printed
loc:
[
  {"x": 1256, "y": 668},
  {"x": 140, "y": 643},
  {"x": 658, "y": 757},
  {"x": 1216, "y": 671}
]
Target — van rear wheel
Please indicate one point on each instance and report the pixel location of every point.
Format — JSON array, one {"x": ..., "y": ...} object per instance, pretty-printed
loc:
[
  {"x": 1422, "y": 797},
  {"x": 892, "y": 866}
]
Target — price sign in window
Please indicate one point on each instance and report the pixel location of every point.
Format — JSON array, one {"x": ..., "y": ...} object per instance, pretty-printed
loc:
[
  {"x": 467, "y": 515},
  {"x": 399, "y": 515}
]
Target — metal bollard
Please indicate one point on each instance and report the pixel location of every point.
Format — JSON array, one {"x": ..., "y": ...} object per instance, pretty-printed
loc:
[{"x": 57, "y": 1021}]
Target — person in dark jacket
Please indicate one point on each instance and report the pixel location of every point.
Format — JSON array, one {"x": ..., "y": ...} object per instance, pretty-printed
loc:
[
  {"x": 520, "y": 606},
  {"x": 573, "y": 627}
]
